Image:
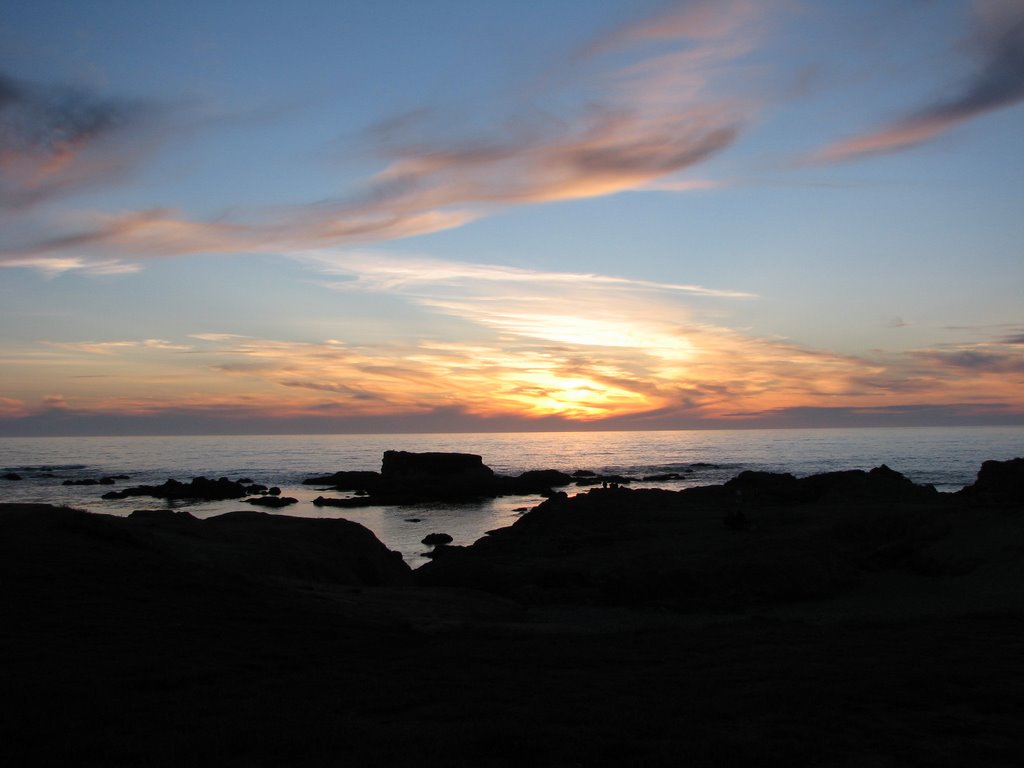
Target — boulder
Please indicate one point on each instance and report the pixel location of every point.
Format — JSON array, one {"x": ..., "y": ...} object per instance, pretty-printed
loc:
[
  {"x": 272, "y": 501},
  {"x": 433, "y": 539},
  {"x": 437, "y": 475},
  {"x": 997, "y": 482},
  {"x": 12, "y": 476}
]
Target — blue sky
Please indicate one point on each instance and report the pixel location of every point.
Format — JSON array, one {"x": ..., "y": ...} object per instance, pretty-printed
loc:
[{"x": 220, "y": 217}]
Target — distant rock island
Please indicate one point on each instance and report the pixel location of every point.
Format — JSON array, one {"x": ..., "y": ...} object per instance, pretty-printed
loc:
[{"x": 848, "y": 618}]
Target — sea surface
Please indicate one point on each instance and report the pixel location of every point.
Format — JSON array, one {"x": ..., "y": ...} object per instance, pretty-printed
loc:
[{"x": 947, "y": 458}]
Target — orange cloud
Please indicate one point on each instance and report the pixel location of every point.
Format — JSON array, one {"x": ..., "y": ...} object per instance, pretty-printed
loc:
[{"x": 607, "y": 348}]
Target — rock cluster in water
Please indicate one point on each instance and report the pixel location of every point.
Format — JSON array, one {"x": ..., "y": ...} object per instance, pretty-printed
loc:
[{"x": 410, "y": 478}]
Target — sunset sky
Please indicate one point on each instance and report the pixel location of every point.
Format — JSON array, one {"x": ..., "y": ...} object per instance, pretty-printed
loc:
[{"x": 432, "y": 215}]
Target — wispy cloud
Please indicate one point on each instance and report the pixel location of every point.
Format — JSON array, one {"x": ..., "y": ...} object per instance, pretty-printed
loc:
[
  {"x": 644, "y": 114},
  {"x": 57, "y": 139},
  {"x": 997, "y": 44}
]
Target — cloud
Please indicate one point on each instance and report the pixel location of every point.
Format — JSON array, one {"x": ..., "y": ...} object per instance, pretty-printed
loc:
[
  {"x": 978, "y": 360},
  {"x": 11, "y": 408},
  {"x": 998, "y": 45},
  {"x": 641, "y": 115},
  {"x": 57, "y": 139},
  {"x": 532, "y": 346}
]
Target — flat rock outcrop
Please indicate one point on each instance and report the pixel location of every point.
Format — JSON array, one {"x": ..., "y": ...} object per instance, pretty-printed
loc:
[{"x": 410, "y": 478}]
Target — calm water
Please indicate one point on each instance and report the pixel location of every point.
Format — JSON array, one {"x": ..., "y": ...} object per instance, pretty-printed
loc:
[{"x": 945, "y": 457}]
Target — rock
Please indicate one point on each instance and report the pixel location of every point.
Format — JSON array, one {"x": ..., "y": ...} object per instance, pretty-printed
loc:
[
  {"x": 434, "y": 539},
  {"x": 153, "y": 553},
  {"x": 12, "y": 476},
  {"x": 274, "y": 491},
  {"x": 347, "y": 481},
  {"x": 442, "y": 475},
  {"x": 162, "y": 515},
  {"x": 997, "y": 482},
  {"x": 322, "y": 501},
  {"x": 272, "y": 501},
  {"x": 199, "y": 488},
  {"x": 536, "y": 481}
]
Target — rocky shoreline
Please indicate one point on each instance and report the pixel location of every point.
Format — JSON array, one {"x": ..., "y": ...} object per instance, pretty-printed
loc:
[{"x": 850, "y": 618}]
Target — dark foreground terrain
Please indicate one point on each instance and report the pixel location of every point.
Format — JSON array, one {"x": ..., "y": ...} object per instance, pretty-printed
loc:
[{"x": 847, "y": 620}]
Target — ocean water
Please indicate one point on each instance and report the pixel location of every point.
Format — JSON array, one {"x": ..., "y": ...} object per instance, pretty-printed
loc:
[{"x": 947, "y": 458}]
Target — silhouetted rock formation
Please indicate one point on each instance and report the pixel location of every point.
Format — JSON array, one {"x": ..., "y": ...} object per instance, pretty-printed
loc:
[
  {"x": 198, "y": 488},
  {"x": 14, "y": 476},
  {"x": 359, "y": 480},
  {"x": 442, "y": 475},
  {"x": 849, "y": 485},
  {"x": 248, "y": 546},
  {"x": 411, "y": 478},
  {"x": 998, "y": 482},
  {"x": 272, "y": 500},
  {"x": 433, "y": 539},
  {"x": 759, "y": 538}
]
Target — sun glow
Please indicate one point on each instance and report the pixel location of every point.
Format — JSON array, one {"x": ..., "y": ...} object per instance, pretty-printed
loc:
[{"x": 542, "y": 393}]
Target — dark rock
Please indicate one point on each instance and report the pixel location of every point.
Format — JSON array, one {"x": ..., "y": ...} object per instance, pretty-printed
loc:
[
  {"x": 997, "y": 482},
  {"x": 347, "y": 481},
  {"x": 535, "y": 481},
  {"x": 160, "y": 557},
  {"x": 254, "y": 487},
  {"x": 440, "y": 475},
  {"x": 274, "y": 491},
  {"x": 162, "y": 515},
  {"x": 767, "y": 487},
  {"x": 12, "y": 476},
  {"x": 433, "y": 539},
  {"x": 881, "y": 483},
  {"x": 413, "y": 520},
  {"x": 322, "y": 501},
  {"x": 584, "y": 473},
  {"x": 604, "y": 480},
  {"x": 199, "y": 488},
  {"x": 272, "y": 501}
]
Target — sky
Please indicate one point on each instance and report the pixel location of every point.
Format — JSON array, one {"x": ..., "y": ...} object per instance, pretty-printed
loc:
[{"x": 473, "y": 215}]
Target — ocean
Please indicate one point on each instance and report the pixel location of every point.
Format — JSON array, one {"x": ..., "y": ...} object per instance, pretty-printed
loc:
[{"x": 946, "y": 457}]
